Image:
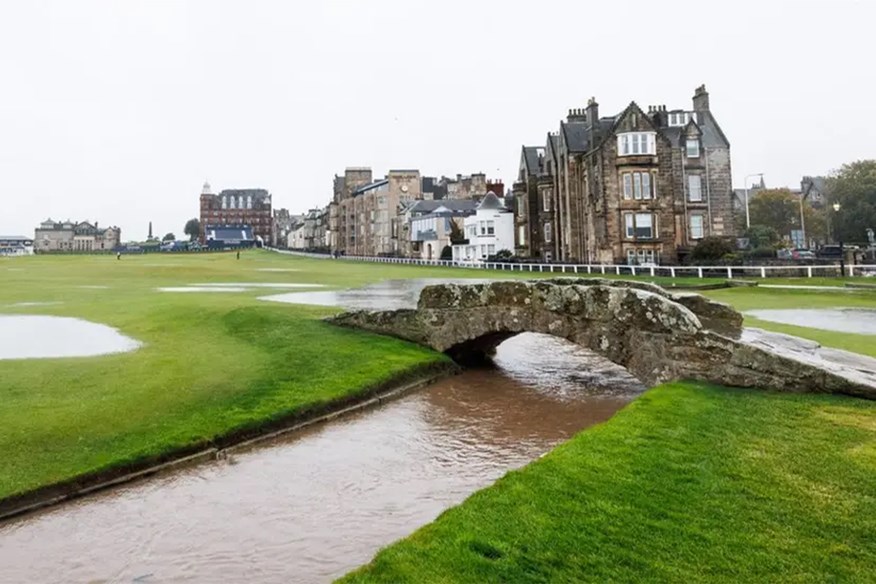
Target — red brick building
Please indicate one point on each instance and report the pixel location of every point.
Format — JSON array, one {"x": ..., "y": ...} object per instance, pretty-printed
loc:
[{"x": 250, "y": 207}]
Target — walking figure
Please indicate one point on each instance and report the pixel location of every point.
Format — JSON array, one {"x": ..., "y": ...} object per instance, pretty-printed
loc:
[{"x": 238, "y": 254}]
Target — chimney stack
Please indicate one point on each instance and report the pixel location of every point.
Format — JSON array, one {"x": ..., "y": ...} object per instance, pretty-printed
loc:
[
  {"x": 701, "y": 99},
  {"x": 592, "y": 112}
]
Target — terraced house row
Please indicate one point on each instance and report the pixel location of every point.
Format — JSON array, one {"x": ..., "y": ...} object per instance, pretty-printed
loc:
[{"x": 637, "y": 187}]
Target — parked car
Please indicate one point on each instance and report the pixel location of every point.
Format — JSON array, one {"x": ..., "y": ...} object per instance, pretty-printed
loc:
[{"x": 829, "y": 252}]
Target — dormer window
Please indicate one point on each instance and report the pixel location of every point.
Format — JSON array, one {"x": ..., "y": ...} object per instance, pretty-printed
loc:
[
  {"x": 693, "y": 148},
  {"x": 636, "y": 143},
  {"x": 682, "y": 118}
]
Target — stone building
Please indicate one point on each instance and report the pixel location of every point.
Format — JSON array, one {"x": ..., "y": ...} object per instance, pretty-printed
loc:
[
  {"x": 250, "y": 207},
  {"x": 75, "y": 237},
  {"x": 638, "y": 187},
  {"x": 527, "y": 221},
  {"x": 366, "y": 214}
]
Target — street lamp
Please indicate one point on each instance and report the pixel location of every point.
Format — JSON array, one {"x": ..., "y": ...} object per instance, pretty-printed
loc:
[
  {"x": 747, "y": 216},
  {"x": 836, "y": 208}
]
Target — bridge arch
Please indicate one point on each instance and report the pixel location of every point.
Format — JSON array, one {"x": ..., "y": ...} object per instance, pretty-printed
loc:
[{"x": 655, "y": 335}]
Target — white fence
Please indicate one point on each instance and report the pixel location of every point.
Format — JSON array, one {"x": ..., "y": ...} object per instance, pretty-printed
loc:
[{"x": 730, "y": 272}]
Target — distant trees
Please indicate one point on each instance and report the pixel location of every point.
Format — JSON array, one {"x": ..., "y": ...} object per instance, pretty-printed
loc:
[
  {"x": 853, "y": 186},
  {"x": 779, "y": 210},
  {"x": 169, "y": 237},
  {"x": 193, "y": 229}
]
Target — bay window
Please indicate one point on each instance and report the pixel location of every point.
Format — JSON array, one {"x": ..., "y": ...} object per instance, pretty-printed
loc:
[
  {"x": 639, "y": 225},
  {"x": 636, "y": 143}
]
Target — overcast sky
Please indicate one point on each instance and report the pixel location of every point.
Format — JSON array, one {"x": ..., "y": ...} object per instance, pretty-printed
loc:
[{"x": 118, "y": 111}]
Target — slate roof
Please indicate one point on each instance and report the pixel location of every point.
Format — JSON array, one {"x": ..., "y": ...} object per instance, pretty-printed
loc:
[
  {"x": 491, "y": 201},
  {"x": 423, "y": 207},
  {"x": 530, "y": 155},
  {"x": 375, "y": 185},
  {"x": 577, "y": 136}
]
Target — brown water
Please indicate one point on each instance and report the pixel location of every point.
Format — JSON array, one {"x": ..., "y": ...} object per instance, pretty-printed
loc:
[{"x": 313, "y": 505}]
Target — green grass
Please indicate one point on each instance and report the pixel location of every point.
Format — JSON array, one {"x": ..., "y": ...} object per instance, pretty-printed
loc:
[
  {"x": 689, "y": 483},
  {"x": 212, "y": 363}
]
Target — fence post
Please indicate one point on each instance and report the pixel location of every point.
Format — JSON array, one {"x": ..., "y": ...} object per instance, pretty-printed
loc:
[
  {"x": 700, "y": 272},
  {"x": 652, "y": 271},
  {"x": 576, "y": 269},
  {"x": 633, "y": 270},
  {"x": 729, "y": 273},
  {"x": 809, "y": 271},
  {"x": 617, "y": 270}
]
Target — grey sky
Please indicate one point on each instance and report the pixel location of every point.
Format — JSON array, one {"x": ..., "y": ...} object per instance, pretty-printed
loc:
[{"x": 118, "y": 111}]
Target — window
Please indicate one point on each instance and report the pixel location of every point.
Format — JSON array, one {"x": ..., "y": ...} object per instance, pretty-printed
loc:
[
  {"x": 547, "y": 232},
  {"x": 546, "y": 200},
  {"x": 521, "y": 235},
  {"x": 694, "y": 188},
  {"x": 491, "y": 250},
  {"x": 483, "y": 251},
  {"x": 521, "y": 207},
  {"x": 681, "y": 118},
  {"x": 636, "y": 143},
  {"x": 693, "y": 148},
  {"x": 483, "y": 227},
  {"x": 491, "y": 227},
  {"x": 696, "y": 227},
  {"x": 639, "y": 225},
  {"x": 640, "y": 256},
  {"x": 637, "y": 185}
]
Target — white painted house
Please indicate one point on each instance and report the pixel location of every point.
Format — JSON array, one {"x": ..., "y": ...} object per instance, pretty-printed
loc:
[{"x": 487, "y": 232}]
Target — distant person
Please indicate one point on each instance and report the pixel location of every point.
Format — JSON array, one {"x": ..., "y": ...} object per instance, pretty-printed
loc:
[
  {"x": 118, "y": 255},
  {"x": 238, "y": 254}
]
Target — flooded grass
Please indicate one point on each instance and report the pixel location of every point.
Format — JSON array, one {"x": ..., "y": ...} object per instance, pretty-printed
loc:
[{"x": 690, "y": 483}]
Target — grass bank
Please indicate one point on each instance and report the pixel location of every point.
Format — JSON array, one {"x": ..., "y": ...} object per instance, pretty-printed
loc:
[
  {"x": 212, "y": 364},
  {"x": 689, "y": 483}
]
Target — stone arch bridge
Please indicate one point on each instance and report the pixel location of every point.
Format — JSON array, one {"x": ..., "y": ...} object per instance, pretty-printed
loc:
[{"x": 655, "y": 335}]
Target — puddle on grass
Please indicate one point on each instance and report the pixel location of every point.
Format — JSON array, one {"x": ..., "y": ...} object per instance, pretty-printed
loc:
[
  {"x": 42, "y": 337},
  {"x": 385, "y": 295},
  {"x": 201, "y": 289},
  {"x": 278, "y": 285},
  {"x": 860, "y": 321}
]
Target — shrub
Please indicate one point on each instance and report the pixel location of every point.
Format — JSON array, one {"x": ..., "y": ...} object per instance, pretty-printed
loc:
[{"x": 712, "y": 248}]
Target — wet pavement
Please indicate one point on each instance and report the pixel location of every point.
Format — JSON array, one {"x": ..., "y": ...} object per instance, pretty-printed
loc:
[
  {"x": 36, "y": 336},
  {"x": 844, "y": 320},
  {"x": 311, "y": 506}
]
